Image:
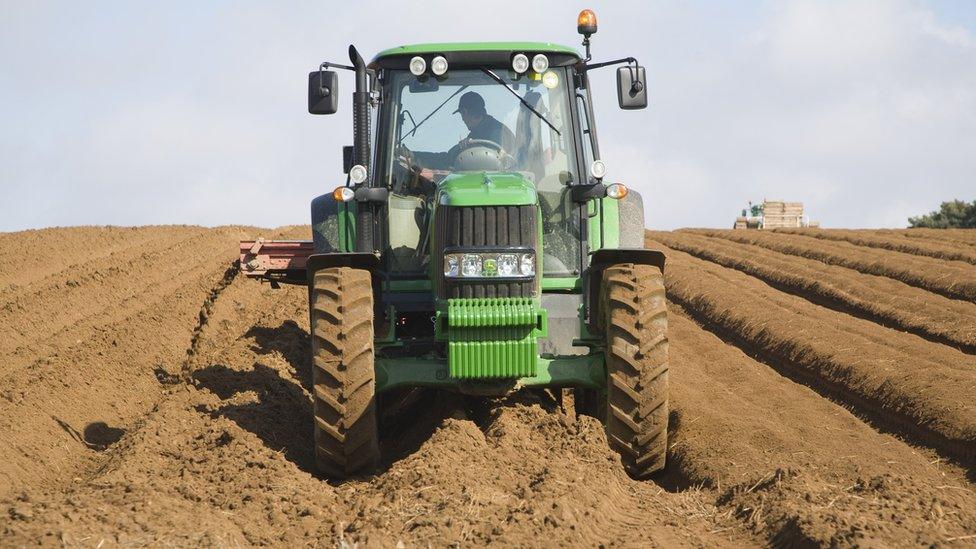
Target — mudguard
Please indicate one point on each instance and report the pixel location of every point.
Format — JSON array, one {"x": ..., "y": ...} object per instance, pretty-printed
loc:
[
  {"x": 601, "y": 259},
  {"x": 631, "y": 215},
  {"x": 611, "y": 256},
  {"x": 325, "y": 224}
]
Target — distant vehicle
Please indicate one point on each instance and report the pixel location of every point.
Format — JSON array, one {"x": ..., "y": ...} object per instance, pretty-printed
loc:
[{"x": 773, "y": 214}]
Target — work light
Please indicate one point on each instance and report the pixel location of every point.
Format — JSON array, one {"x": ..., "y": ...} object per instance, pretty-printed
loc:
[
  {"x": 418, "y": 65},
  {"x": 438, "y": 65},
  {"x": 598, "y": 169},
  {"x": 520, "y": 63},
  {"x": 527, "y": 264},
  {"x": 540, "y": 63},
  {"x": 357, "y": 174}
]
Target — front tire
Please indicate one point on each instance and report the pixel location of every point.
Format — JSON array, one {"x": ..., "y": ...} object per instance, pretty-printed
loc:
[
  {"x": 343, "y": 375},
  {"x": 633, "y": 315}
]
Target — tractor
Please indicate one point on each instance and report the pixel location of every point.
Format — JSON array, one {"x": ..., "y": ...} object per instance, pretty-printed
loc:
[{"x": 501, "y": 262}]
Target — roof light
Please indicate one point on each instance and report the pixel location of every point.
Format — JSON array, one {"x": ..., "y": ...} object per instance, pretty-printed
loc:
[
  {"x": 586, "y": 23},
  {"x": 598, "y": 169},
  {"x": 358, "y": 173},
  {"x": 343, "y": 194},
  {"x": 438, "y": 65},
  {"x": 520, "y": 63},
  {"x": 418, "y": 65},
  {"x": 617, "y": 191},
  {"x": 540, "y": 63}
]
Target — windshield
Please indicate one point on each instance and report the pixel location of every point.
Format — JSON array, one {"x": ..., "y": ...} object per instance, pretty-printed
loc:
[{"x": 481, "y": 120}]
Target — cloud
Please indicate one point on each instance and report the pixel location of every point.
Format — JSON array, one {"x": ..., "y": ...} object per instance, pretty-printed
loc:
[
  {"x": 863, "y": 110},
  {"x": 194, "y": 113}
]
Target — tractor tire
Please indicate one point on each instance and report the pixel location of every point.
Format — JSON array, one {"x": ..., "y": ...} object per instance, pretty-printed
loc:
[
  {"x": 634, "y": 317},
  {"x": 343, "y": 376}
]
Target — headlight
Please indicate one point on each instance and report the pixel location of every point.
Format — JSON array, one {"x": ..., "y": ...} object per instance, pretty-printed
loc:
[
  {"x": 540, "y": 63},
  {"x": 489, "y": 265},
  {"x": 520, "y": 63},
  {"x": 508, "y": 265},
  {"x": 450, "y": 265},
  {"x": 418, "y": 65},
  {"x": 438, "y": 65},
  {"x": 471, "y": 265}
]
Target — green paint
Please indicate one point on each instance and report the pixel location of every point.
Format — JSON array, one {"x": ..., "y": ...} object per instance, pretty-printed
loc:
[
  {"x": 562, "y": 283},
  {"x": 527, "y": 47},
  {"x": 347, "y": 226},
  {"x": 486, "y": 189},
  {"x": 492, "y": 337},
  {"x": 611, "y": 223},
  {"x": 570, "y": 371}
]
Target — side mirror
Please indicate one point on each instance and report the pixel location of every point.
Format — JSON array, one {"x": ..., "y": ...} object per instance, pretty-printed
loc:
[
  {"x": 323, "y": 92},
  {"x": 631, "y": 87}
]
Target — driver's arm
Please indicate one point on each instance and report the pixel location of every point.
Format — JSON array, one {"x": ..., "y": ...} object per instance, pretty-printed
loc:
[{"x": 437, "y": 160}]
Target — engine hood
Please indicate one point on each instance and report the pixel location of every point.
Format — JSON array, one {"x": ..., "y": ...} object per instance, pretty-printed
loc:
[{"x": 486, "y": 189}]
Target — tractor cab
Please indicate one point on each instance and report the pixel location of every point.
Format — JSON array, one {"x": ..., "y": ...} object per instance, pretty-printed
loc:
[
  {"x": 475, "y": 246},
  {"x": 501, "y": 118}
]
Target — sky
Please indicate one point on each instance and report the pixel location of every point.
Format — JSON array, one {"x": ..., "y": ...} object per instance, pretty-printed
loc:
[{"x": 135, "y": 113}]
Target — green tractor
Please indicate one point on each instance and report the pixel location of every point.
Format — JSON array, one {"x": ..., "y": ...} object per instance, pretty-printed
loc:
[{"x": 498, "y": 263}]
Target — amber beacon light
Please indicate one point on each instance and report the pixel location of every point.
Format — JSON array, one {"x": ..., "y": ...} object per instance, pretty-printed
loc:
[{"x": 586, "y": 23}]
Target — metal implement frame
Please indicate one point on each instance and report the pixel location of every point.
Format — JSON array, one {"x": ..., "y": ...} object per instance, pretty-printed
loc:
[
  {"x": 278, "y": 261},
  {"x": 571, "y": 371}
]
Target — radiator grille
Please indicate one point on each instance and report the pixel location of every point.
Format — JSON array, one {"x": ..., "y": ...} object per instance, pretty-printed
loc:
[{"x": 477, "y": 226}]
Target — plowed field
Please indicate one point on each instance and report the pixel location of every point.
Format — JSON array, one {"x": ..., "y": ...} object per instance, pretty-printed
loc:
[{"x": 823, "y": 393}]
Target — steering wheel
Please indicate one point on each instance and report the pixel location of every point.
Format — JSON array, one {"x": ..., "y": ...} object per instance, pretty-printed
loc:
[
  {"x": 493, "y": 157},
  {"x": 469, "y": 143}
]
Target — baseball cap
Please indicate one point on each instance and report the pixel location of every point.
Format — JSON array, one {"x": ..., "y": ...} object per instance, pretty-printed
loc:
[{"x": 471, "y": 101}]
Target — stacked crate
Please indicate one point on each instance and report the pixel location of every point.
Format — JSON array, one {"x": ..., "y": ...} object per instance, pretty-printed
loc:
[{"x": 778, "y": 214}]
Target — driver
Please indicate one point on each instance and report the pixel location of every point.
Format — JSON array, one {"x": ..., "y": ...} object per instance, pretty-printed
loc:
[{"x": 481, "y": 125}]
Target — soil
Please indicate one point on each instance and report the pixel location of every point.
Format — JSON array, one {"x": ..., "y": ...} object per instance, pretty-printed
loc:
[
  {"x": 151, "y": 396},
  {"x": 953, "y": 279},
  {"x": 883, "y": 300},
  {"x": 889, "y": 241}
]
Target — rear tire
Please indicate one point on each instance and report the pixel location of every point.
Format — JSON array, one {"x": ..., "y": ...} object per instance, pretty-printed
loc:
[
  {"x": 633, "y": 315},
  {"x": 343, "y": 375}
]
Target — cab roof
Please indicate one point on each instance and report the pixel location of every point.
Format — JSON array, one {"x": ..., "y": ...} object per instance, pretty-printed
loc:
[
  {"x": 500, "y": 47},
  {"x": 475, "y": 54}
]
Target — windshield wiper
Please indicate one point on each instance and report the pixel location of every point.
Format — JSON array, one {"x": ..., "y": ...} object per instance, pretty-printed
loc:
[
  {"x": 403, "y": 117},
  {"x": 433, "y": 112},
  {"x": 496, "y": 78}
]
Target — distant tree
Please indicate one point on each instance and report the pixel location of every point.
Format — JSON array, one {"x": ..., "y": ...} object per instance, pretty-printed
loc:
[{"x": 955, "y": 214}]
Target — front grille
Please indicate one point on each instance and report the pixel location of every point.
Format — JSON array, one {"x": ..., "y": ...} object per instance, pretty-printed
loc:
[{"x": 481, "y": 226}]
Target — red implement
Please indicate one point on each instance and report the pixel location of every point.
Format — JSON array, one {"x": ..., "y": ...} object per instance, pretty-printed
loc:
[{"x": 276, "y": 260}]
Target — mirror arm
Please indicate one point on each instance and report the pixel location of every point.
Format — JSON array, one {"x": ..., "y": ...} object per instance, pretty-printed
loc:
[
  {"x": 326, "y": 65},
  {"x": 591, "y": 66}
]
